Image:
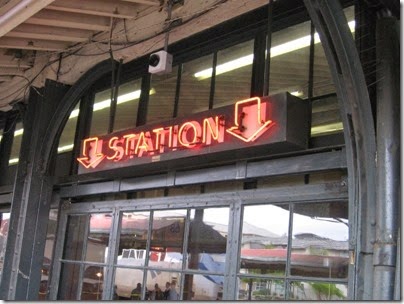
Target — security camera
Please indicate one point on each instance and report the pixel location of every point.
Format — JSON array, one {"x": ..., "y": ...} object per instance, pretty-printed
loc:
[{"x": 160, "y": 63}]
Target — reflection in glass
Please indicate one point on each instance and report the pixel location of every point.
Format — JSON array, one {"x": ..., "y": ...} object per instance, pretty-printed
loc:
[
  {"x": 322, "y": 80},
  {"x": 93, "y": 279},
  {"x": 194, "y": 93},
  {"x": 320, "y": 240},
  {"x": 98, "y": 237},
  {"x": 317, "y": 291},
  {"x": 76, "y": 227},
  {"x": 161, "y": 104},
  {"x": 158, "y": 285},
  {"x": 69, "y": 282},
  {"x": 326, "y": 118},
  {"x": 15, "y": 149},
  {"x": 126, "y": 281},
  {"x": 66, "y": 139},
  {"x": 127, "y": 105},
  {"x": 264, "y": 239},
  {"x": 101, "y": 109},
  {"x": 184, "y": 190},
  {"x": 133, "y": 239},
  {"x": 235, "y": 83},
  {"x": 199, "y": 287},
  {"x": 48, "y": 255},
  {"x": 254, "y": 289},
  {"x": 167, "y": 239},
  {"x": 207, "y": 239},
  {"x": 131, "y": 252},
  {"x": 4, "y": 222},
  {"x": 290, "y": 60}
]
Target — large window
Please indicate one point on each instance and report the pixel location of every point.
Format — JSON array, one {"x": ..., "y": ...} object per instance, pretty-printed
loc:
[
  {"x": 221, "y": 75},
  {"x": 15, "y": 150},
  {"x": 126, "y": 108},
  {"x": 286, "y": 247},
  {"x": 194, "y": 91},
  {"x": 233, "y": 74},
  {"x": 216, "y": 245},
  {"x": 162, "y": 96},
  {"x": 185, "y": 248},
  {"x": 66, "y": 140},
  {"x": 85, "y": 253}
]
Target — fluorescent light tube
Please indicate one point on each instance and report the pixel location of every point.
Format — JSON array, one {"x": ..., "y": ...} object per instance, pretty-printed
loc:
[{"x": 278, "y": 50}]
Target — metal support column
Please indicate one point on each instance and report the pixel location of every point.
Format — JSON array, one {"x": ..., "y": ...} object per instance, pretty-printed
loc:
[
  {"x": 388, "y": 157},
  {"x": 31, "y": 200},
  {"x": 359, "y": 134}
]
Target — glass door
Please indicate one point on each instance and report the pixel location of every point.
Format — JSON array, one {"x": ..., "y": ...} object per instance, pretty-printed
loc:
[
  {"x": 84, "y": 259},
  {"x": 246, "y": 245},
  {"x": 142, "y": 253},
  {"x": 171, "y": 254}
]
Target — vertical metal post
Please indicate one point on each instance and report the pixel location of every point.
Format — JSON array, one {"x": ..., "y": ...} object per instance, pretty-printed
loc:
[
  {"x": 359, "y": 134},
  {"x": 31, "y": 201},
  {"x": 268, "y": 49},
  {"x": 388, "y": 157}
]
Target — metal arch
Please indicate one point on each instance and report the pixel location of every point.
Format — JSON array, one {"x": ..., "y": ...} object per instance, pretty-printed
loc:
[
  {"x": 359, "y": 133},
  {"x": 66, "y": 105}
]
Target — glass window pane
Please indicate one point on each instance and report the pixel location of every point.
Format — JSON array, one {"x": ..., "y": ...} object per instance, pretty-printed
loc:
[
  {"x": 167, "y": 239},
  {"x": 317, "y": 291},
  {"x": 98, "y": 237},
  {"x": 326, "y": 118},
  {"x": 15, "y": 150},
  {"x": 162, "y": 96},
  {"x": 254, "y": 289},
  {"x": 48, "y": 255},
  {"x": 322, "y": 80},
  {"x": 127, "y": 105},
  {"x": 75, "y": 232},
  {"x": 320, "y": 240},
  {"x": 203, "y": 287},
  {"x": 194, "y": 92},
  {"x": 207, "y": 239},
  {"x": 289, "y": 69},
  {"x": 126, "y": 281},
  {"x": 133, "y": 239},
  {"x": 224, "y": 186},
  {"x": 233, "y": 74},
  {"x": 162, "y": 285},
  {"x": 101, "y": 109},
  {"x": 93, "y": 279},
  {"x": 326, "y": 115},
  {"x": 66, "y": 139},
  {"x": 184, "y": 190},
  {"x": 5, "y": 218},
  {"x": 264, "y": 239},
  {"x": 69, "y": 282},
  {"x": 150, "y": 193}
]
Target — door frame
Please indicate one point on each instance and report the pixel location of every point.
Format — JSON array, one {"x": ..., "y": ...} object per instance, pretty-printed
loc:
[{"x": 322, "y": 192}]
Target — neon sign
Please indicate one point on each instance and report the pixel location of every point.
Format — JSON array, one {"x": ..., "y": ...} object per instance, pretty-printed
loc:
[{"x": 248, "y": 123}]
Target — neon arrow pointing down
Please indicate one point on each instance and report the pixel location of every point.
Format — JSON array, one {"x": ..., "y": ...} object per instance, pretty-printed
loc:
[
  {"x": 250, "y": 119},
  {"x": 94, "y": 156}
]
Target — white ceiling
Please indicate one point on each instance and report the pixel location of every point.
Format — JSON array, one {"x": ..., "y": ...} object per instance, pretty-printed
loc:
[
  {"x": 63, "y": 39},
  {"x": 32, "y": 28}
]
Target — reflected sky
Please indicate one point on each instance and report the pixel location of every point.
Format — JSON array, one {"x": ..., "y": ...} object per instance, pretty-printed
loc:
[{"x": 279, "y": 216}]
